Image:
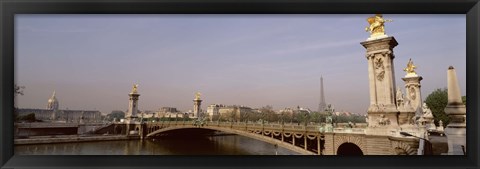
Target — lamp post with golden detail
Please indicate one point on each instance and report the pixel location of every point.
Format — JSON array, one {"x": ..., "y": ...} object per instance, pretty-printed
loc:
[
  {"x": 412, "y": 87},
  {"x": 380, "y": 56},
  {"x": 131, "y": 115},
  {"x": 197, "y": 105}
]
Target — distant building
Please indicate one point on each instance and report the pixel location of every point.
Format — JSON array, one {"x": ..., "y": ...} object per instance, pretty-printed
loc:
[
  {"x": 291, "y": 111},
  {"x": 213, "y": 110},
  {"x": 227, "y": 112},
  {"x": 169, "y": 112},
  {"x": 343, "y": 114},
  {"x": 286, "y": 110},
  {"x": 52, "y": 103},
  {"x": 306, "y": 110},
  {"x": 147, "y": 114},
  {"x": 52, "y": 113},
  {"x": 168, "y": 109}
]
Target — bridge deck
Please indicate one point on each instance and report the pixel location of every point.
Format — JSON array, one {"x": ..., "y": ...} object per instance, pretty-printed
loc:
[{"x": 298, "y": 138}]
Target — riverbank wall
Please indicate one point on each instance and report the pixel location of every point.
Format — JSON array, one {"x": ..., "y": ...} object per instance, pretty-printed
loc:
[{"x": 71, "y": 139}]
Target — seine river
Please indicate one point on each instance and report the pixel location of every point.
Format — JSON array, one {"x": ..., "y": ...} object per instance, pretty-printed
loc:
[{"x": 205, "y": 145}]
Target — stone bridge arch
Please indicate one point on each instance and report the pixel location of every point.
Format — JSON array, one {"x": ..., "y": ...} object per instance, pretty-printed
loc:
[
  {"x": 356, "y": 140},
  {"x": 118, "y": 129},
  {"x": 252, "y": 135}
]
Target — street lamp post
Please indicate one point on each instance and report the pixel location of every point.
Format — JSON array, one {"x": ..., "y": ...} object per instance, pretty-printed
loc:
[
  {"x": 276, "y": 149},
  {"x": 428, "y": 145},
  {"x": 282, "y": 118}
]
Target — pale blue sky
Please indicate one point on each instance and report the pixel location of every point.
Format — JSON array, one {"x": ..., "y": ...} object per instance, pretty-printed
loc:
[{"x": 254, "y": 60}]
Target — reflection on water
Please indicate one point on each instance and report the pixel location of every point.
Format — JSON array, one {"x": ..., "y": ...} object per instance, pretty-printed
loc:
[{"x": 206, "y": 145}]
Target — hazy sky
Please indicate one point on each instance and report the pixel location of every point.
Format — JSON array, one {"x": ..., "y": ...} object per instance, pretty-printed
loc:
[{"x": 254, "y": 60}]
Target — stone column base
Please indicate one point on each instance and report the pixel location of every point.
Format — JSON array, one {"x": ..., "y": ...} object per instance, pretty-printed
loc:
[{"x": 456, "y": 139}]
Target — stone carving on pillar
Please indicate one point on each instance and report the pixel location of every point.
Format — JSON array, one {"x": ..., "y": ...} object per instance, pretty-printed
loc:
[
  {"x": 383, "y": 121},
  {"x": 413, "y": 120},
  {"x": 380, "y": 68},
  {"x": 412, "y": 93},
  {"x": 400, "y": 96},
  {"x": 369, "y": 55},
  {"x": 402, "y": 148},
  {"x": 427, "y": 114},
  {"x": 440, "y": 126},
  {"x": 426, "y": 111}
]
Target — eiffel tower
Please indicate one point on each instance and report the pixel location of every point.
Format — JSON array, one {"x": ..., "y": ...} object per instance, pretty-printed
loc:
[{"x": 322, "y": 105}]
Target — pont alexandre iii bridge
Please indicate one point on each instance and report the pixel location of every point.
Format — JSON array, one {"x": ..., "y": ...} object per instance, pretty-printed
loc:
[
  {"x": 306, "y": 140},
  {"x": 389, "y": 113}
]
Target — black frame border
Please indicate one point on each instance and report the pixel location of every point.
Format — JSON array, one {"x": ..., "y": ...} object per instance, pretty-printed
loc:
[{"x": 8, "y": 9}]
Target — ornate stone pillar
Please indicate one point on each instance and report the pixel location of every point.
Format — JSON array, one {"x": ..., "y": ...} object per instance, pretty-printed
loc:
[
  {"x": 329, "y": 144},
  {"x": 413, "y": 92},
  {"x": 412, "y": 108},
  {"x": 456, "y": 111},
  {"x": 131, "y": 115},
  {"x": 381, "y": 80},
  {"x": 132, "y": 108},
  {"x": 196, "y": 107}
]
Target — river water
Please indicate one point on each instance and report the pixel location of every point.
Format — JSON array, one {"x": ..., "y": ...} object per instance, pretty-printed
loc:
[{"x": 204, "y": 145}]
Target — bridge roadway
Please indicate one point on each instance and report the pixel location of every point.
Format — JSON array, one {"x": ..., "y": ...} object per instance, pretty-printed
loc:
[{"x": 307, "y": 140}]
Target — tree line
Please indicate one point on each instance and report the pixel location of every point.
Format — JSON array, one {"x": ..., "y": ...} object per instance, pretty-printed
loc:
[
  {"x": 437, "y": 101},
  {"x": 266, "y": 114}
]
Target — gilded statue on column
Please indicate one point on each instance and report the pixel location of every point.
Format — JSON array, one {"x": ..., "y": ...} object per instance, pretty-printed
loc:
[
  {"x": 410, "y": 69},
  {"x": 197, "y": 96},
  {"x": 134, "y": 89},
  {"x": 376, "y": 27}
]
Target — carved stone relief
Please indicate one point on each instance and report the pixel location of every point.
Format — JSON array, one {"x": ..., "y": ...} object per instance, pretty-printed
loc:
[
  {"x": 412, "y": 93},
  {"x": 380, "y": 68},
  {"x": 383, "y": 121},
  {"x": 400, "y": 148}
]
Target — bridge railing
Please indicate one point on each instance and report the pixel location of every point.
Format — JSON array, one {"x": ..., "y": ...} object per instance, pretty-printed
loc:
[
  {"x": 349, "y": 130},
  {"x": 243, "y": 125},
  {"x": 313, "y": 128}
]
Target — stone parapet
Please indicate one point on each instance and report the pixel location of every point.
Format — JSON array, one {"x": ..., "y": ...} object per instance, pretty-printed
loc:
[{"x": 70, "y": 139}]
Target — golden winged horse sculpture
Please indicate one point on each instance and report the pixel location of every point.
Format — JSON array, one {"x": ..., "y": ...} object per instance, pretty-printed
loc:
[{"x": 376, "y": 27}]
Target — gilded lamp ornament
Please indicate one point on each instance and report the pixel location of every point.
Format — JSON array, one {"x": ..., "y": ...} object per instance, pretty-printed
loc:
[
  {"x": 410, "y": 69},
  {"x": 377, "y": 27},
  {"x": 197, "y": 96},
  {"x": 134, "y": 88}
]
